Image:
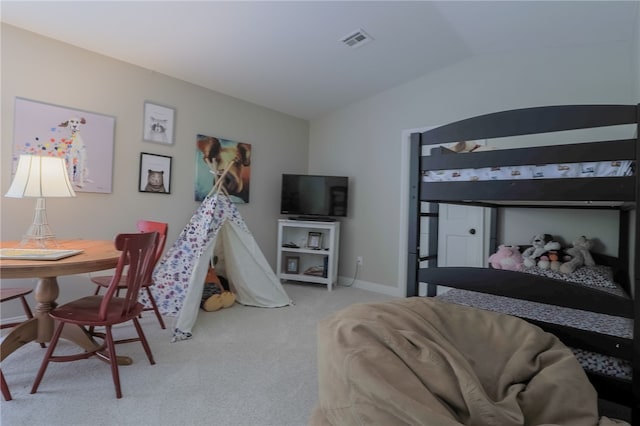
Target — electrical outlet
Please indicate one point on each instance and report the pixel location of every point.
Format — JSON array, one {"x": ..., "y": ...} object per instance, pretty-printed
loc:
[{"x": 359, "y": 260}]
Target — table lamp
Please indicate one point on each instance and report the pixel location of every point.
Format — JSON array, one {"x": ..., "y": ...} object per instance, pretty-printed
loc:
[{"x": 40, "y": 177}]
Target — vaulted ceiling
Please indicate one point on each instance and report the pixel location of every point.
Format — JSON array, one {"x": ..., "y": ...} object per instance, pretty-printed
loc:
[{"x": 287, "y": 55}]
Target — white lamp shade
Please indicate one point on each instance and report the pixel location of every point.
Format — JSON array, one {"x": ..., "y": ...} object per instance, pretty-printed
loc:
[{"x": 40, "y": 176}]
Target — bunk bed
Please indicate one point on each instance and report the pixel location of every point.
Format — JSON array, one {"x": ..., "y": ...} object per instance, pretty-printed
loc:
[{"x": 473, "y": 181}]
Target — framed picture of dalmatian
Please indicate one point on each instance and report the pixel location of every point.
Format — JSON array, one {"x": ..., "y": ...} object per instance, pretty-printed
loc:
[
  {"x": 84, "y": 139},
  {"x": 159, "y": 123},
  {"x": 155, "y": 173}
]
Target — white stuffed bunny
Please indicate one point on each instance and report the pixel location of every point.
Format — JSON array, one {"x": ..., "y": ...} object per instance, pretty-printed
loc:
[
  {"x": 536, "y": 250},
  {"x": 580, "y": 255}
]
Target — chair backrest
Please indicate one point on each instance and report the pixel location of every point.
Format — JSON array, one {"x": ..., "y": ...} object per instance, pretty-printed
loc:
[
  {"x": 160, "y": 227},
  {"x": 135, "y": 264}
]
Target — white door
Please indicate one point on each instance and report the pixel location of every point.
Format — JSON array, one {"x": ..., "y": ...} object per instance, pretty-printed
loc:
[{"x": 461, "y": 236}]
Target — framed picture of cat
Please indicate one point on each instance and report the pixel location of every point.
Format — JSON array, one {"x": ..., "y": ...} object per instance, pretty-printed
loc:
[
  {"x": 155, "y": 173},
  {"x": 159, "y": 123}
]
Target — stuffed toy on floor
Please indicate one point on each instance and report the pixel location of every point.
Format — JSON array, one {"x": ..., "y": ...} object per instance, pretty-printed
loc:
[{"x": 215, "y": 295}]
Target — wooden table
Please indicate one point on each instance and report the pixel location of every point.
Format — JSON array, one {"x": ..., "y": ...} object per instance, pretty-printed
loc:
[{"x": 97, "y": 255}]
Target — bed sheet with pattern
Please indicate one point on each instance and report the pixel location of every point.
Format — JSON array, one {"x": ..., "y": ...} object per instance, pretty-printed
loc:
[
  {"x": 597, "y": 277},
  {"x": 616, "y": 168}
]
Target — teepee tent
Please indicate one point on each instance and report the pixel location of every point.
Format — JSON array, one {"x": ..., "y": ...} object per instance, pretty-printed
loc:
[{"x": 216, "y": 228}]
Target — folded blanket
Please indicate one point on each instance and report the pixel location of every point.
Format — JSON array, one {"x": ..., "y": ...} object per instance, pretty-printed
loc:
[{"x": 420, "y": 361}]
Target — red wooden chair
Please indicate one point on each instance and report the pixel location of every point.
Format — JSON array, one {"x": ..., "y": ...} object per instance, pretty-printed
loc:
[
  {"x": 142, "y": 226},
  {"x": 137, "y": 258},
  {"x": 5, "y": 388},
  {"x": 7, "y": 294}
]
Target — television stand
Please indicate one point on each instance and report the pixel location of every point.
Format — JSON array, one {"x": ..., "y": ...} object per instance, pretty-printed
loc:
[
  {"x": 313, "y": 218},
  {"x": 308, "y": 251}
]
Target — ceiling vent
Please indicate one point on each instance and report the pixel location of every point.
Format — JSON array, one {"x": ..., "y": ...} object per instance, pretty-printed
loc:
[{"x": 356, "y": 39}]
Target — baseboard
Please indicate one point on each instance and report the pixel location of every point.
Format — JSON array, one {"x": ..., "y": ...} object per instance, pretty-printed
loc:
[{"x": 366, "y": 285}]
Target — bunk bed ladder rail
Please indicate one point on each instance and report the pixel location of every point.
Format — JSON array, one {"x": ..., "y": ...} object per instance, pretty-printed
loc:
[
  {"x": 414, "y": 260},
  {"x": 635, "y": 286},
  {"x": 413, "y": 243},
  {"x": 432, "y": 257},
  {"x": 416, "y": 214}
]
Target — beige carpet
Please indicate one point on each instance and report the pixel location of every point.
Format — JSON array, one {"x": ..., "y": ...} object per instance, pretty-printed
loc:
[{"x": 245, "y": 366}]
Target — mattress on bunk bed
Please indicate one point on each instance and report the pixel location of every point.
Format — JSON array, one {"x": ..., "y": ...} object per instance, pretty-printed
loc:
[
  {"x": 423, "y": 361},
  {"x": 617, "y": 168},
  {"x": 598, "y": 277}
]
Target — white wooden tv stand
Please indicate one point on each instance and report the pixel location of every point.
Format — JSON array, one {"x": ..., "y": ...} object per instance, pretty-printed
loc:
[{"x": 308, "y": 251}]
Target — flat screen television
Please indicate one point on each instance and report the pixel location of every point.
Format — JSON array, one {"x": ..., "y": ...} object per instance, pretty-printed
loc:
[{"x": 314, "y": 197}]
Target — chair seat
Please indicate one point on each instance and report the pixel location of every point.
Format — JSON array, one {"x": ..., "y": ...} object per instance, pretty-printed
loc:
[
  {"x": 13, "y": 293},
  {"x": 104, "y": 281},
  {"x": 85, "y": 311}
]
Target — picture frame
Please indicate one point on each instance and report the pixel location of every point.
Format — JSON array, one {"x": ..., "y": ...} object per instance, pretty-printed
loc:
[
  {"x": 83, "y": 138},
  {"x": 292, "y": 264},
  {"x": 155, "y": 173},
  {"x": 212, "y": 154},
  {"x": 159, "y": 123},
  {"x": 314, "y": 240}
]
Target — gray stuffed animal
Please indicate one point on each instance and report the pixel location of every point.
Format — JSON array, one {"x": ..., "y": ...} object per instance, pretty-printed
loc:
[{"x": 580, "y": 255}]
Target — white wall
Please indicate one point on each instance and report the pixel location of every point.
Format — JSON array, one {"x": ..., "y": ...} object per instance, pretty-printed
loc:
[
  {"x": 363, "y": 140},
  {"x": 45, "y": 70},
  {"x": 636, "y": 48},
  {"x": 636, "y": 80}
]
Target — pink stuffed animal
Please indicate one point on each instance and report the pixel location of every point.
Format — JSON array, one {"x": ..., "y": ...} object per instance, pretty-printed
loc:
[{"x": 507, "y": 258}]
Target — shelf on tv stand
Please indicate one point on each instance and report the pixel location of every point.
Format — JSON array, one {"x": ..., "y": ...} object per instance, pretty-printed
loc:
[{"x": 313, "y": 218}]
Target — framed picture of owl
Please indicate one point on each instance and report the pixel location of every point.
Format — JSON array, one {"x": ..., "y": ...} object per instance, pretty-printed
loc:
[
  {"x": 159, "y": 123},
  {"x": 155, "y": 173}
]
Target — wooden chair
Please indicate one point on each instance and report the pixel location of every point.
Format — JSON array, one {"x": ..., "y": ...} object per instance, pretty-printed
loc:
[
  {"x": 7, "y": 294},
  {"x": 142, "y": 226},
  {"x": 137, "y": 258}
]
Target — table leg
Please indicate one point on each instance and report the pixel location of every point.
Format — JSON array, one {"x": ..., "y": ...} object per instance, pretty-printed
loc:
[
  {"x": 39, "y": 328},
  {"x": 19, "y": 336},
  {"x": 46, "y": 293}
]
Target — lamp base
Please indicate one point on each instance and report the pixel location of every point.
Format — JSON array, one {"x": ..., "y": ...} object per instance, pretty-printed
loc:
[
  {"x": 39, "y": 234},
  {"x": 29, "y": 242}
]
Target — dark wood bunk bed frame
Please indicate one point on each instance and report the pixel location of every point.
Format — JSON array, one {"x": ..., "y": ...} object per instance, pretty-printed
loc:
[{"x": 619, "y": 193}]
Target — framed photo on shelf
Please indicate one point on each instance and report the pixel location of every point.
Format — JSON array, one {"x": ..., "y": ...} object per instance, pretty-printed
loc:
[
  {"x": 159, "y": 123},
  {"x": 314, "y": 241},
  {"x": 155, "y": 173},
  {"x": 292, "y": 264}
]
